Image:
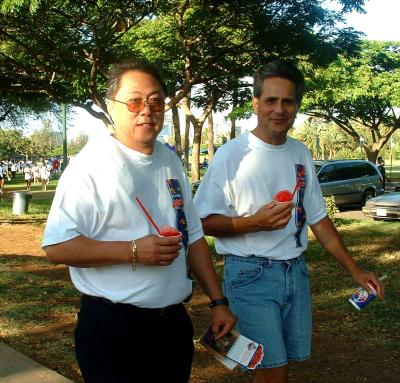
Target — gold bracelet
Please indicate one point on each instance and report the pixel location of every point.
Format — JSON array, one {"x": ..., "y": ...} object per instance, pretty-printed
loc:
[{"x": 134, "y": 254}]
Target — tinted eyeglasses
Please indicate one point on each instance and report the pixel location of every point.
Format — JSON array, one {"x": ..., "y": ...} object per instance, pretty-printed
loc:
[{"x": 136, "y": 105}]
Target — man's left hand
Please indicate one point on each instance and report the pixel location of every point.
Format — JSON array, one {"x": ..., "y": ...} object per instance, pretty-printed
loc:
[{"x": 222, "y": 321}]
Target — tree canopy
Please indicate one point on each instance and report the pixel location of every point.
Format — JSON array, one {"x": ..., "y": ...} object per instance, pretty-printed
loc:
[
  {"x": 360, "y": 94},
  {"x": 60, "y": 51}
]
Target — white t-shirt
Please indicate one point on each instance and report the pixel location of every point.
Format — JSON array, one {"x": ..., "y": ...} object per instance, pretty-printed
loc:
[
  {"x": 44, "y": 173},
  {"x": 96, "y": 198},
  {"x": 244, "y": 175},
  {"x": 27, "y": 173}
]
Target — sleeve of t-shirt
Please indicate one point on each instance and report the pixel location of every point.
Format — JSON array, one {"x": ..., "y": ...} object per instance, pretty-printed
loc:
[
  {"x": 212, "y": 196},
  {"x": 73, "y": 211}
]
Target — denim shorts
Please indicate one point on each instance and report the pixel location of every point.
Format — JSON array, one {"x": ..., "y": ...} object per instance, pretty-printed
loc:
[{"x": 272, "y": 302}]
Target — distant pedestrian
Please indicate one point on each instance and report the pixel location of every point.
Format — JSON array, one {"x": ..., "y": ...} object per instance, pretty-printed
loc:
[
  {"x": 14, "y": 169},
  {"x": 380, "y": 163},
  {"x": 28, "y": 175},
  {"x": 35, "y": 173},
  {"x": 2, "y": 171},
  {"x": 44, "y": 176}
]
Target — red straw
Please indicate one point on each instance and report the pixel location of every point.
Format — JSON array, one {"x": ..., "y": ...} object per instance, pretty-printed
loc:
[
  {"x": 148, "y": 215},
  {"x": 297, "y": 185}
]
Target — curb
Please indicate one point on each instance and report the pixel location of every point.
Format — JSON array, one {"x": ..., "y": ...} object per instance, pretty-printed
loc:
[{"x": 17, "y": 368}]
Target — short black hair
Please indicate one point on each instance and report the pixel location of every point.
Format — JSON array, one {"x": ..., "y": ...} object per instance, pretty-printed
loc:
[
  {"x": 279, "y": 68},
  {"x": 118, "y": 69}
]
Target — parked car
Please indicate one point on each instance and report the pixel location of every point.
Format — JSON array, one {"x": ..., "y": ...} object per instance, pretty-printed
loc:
[
  {"x": 383, "y": 207},
  {"x": 351, "y": 182}
]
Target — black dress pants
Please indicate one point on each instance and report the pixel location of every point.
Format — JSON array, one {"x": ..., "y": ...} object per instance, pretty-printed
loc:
[{"x": 119, "y": 343}]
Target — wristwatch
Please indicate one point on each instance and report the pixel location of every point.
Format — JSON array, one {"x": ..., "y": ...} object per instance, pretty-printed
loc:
[{"x": 219, "y": 302}]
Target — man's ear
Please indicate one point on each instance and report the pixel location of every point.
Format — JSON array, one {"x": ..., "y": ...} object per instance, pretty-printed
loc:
[{"x": 255, "y": 102}]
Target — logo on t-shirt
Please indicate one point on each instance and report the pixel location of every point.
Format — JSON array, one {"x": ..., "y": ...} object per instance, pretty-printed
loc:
[
  {"x": 175, "y": 190},
  {"x": 300, "y": 217}
]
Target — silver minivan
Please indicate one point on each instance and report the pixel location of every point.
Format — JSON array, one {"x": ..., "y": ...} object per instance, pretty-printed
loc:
[{"x": 351, "y": 182}]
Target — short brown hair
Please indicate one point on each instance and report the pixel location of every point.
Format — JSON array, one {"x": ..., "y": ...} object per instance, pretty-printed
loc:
[{"x": 283, "y": 69}]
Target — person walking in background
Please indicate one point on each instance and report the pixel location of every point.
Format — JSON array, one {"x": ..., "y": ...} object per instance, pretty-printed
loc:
[
  {"x": 2, "y": 176},
  {"x": 28, "y": 175},
  {"x": 132, "y": 325},
  {"x": 14, "y": 169},
  {"x": 44, "y": 176},
  {"x": 381, "y": 167},
  {"x": 263, "y": 241},
  {"x": 36, "y": 173}
]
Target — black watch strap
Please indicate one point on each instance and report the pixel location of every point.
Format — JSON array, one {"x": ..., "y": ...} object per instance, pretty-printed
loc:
[{"x": 219, "y": 302}]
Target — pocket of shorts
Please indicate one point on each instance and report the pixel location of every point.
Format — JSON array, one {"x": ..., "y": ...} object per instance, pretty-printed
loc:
[
  {"x": 241, "y": 274},
  {"x": 304, "y": 268}
]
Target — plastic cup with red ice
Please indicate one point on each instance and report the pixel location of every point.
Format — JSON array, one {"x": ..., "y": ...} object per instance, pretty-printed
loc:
[
  {"x": 283, "y": 196},
  {"x": 168, "y": 231}
]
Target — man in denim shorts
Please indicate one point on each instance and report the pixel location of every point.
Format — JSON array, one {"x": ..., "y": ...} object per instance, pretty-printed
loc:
[{"x": 263, "y": 238}]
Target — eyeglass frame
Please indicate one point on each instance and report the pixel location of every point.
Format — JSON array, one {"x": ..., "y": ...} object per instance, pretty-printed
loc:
[{"x": 145, "y": 101}]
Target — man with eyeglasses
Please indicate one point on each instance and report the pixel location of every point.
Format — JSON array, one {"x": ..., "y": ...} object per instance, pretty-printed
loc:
[{"x": 132, "y": 325}]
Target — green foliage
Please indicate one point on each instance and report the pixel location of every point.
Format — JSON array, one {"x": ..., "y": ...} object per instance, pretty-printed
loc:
[
  {"x": 331, "y": 208},
  {"x": 326, "y": 140},
  {"x": 360, "y": 94},
  {"x": 61, "y": 50},
  {"x": 12, "y": 144}
]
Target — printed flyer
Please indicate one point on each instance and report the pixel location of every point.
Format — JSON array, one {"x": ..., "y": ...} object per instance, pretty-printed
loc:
[{"x": 233, "y": 348}]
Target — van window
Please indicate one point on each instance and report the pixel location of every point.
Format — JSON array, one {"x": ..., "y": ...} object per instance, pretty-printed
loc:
[
  {"x": 368, "y": 170},
  {"x": 354, "y": 171},
  {"x": 346, "y": 171},
  {"x": 328, "y": 174}
]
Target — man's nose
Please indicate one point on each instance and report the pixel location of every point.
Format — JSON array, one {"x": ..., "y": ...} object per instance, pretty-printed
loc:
[
  {"x": 279, "y": 107},
  {"x": 146, "y": 108}
]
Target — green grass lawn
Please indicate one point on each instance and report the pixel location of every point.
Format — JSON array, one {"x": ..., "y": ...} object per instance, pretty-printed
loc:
[
  {"x": 376, "y": 246},
  {"x": 39, "y": 202},
  {"x": 392, "y": 169},
  {"x": 36, "y": 296}
]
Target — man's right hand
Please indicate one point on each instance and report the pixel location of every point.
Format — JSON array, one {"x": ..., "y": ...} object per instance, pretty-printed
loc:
[
  {"x": 153, "y": 250},
  {"x": 273, "y": 216}
]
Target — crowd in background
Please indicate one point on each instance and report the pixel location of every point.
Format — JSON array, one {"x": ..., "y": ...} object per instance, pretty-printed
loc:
[{"x": 34, "y": 172}]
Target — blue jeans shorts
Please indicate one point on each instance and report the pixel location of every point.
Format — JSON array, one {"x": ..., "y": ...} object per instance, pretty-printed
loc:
[{"x": 272, "y": 302}]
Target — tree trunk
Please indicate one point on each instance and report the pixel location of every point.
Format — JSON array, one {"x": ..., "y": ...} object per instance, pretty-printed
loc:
[
  {"x": 186, "y": 144},
  {"x": 195, "y": 173},
  {"x": 210, "y": 136},
  {"x": 232, "y": 118},
  {"x": 177, "y": 131},
  {"x": 232, "y": 134}
]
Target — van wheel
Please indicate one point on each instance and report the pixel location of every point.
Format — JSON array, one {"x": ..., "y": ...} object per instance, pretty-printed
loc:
[{"x": 368, "y": 194}]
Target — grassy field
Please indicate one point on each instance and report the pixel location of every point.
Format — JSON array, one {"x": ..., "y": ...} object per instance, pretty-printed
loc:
[
  {"x": 39, "y": 203},
  {"x": 39, "y": 303},
  {"x": 393, "y": 171}
]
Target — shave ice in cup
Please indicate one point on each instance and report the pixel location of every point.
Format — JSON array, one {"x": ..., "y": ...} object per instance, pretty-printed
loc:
[
  {"x": 362, "y": 297},
  {"x": 168, "y": 231},
  {"x": 283, "y": 196}
]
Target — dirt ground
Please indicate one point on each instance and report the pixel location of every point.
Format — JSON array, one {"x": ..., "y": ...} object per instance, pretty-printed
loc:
[{"x": 345, "y": 358}]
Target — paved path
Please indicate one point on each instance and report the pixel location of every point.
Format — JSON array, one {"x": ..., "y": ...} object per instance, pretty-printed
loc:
[
  {"x": 17, "y": 368},
  {"x": 353, "y": 214}
]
